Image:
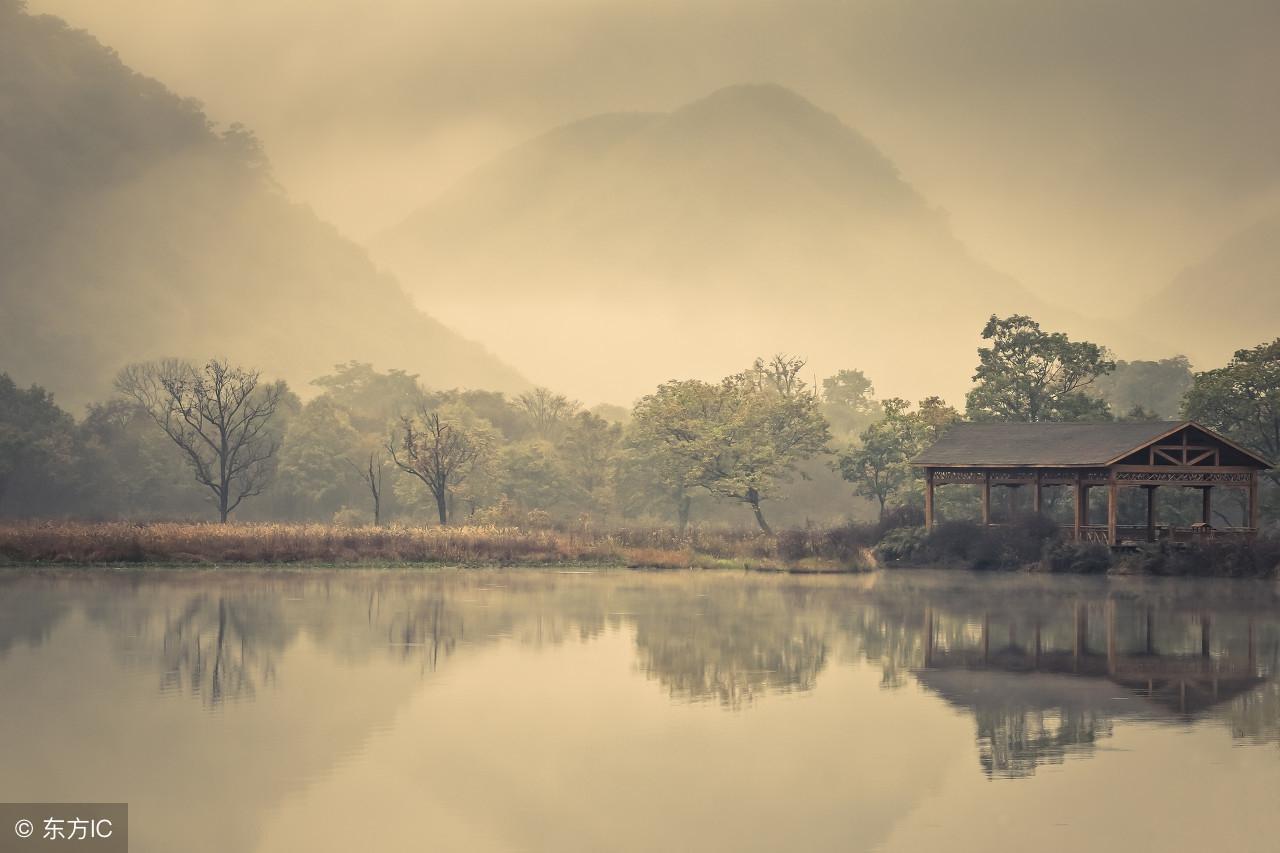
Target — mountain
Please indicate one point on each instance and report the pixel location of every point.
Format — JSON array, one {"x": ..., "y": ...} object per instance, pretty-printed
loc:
[
  {"x": 625, "y": 249},
  {"x": 1228, "y": 301},
  {"x": 130, "y": 228}
]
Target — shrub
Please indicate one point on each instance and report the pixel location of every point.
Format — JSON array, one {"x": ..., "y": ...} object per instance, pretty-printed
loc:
[
  {"x": 902, "y": 543},
  {"x": 1087, "y": 558},
  {"x": 902, "y": 515},
  {"x": 1232, "y": 558},
  {"x": 843, "y": 544},
  {"x": 1009, "y": 546}
]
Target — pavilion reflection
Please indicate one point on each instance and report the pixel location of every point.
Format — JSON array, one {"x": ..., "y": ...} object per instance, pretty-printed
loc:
[
  {"x": 1048, "y": 682},
  {"x": 1046, "y": 667}
]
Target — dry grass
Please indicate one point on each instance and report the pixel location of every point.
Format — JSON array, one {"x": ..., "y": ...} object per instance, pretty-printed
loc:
[{"x": 322, "y": 544}]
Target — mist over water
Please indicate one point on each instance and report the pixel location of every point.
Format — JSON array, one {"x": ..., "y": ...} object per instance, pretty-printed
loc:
[{"x": 489, "y": 710}]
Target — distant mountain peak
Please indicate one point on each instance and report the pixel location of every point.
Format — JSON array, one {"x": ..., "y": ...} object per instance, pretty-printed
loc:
[{"x": 748, "y": 219}]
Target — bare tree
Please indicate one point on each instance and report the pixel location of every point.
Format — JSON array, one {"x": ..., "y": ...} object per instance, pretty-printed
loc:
[
  {"x": 371, "y": 476},
  {"x": 218, "y": 415},
  {"x": 438, "y": 451}
]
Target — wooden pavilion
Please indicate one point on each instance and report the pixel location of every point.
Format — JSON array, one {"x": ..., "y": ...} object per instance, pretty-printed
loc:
[{"x": 1084, "y": 456}]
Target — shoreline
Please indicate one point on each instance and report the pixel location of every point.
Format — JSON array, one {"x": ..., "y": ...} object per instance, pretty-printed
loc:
[{"x": 172, "y": 546}]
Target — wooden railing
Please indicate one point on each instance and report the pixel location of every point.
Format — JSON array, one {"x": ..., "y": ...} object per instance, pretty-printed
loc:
[{"x": 1163, "y": 533}]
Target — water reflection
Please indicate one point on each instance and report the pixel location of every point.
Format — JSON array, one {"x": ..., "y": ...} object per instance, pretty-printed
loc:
[{"x": 1044, "y": 668}]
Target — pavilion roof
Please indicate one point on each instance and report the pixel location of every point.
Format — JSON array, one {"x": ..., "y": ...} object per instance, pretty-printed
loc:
[{"x": 1052, "y": 444}]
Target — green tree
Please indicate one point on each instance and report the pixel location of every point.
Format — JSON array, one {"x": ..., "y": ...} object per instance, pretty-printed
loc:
[
  {"x": 667, "y": 428},
  {"x": 1146, "y": 390},
  {"x": 590, "y": 449},
  {"x": 1029, "y": 375},
  {"x": 848, "y": 402},
  {"x": 36, "y": 443},
  {"x": 221, "y": 418},
  {"x": 739, "y": 439},
  {"x": 1242, "y": 400},
  {"x": 880, "y": 468},
  {"x": 532, "y": 474},
  {"x": 314, "y": 476},
  {"x": 368, "y": 395}
]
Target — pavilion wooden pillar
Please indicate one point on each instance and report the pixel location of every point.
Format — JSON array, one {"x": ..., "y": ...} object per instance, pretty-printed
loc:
[
  {"x": 986, "y": 498},
  {"x": 1113, "y": 509},
  {"x": 1037, "y": 494},
  {"x": 1151, "y": 512},
  {"x": 1206, "y": 504},
  {"x": 928, "y": 499},
  {"x": 1253, "y": 500},
  {"x": 1082, "y": 505}
]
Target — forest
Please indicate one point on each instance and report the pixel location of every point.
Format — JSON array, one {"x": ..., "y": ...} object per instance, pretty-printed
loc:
[{"x": 761, "y": 448}]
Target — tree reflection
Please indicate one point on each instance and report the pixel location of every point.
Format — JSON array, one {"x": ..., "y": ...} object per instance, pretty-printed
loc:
[
  {"x": 731, "y": 647},
  {"x": 1044, "y": 667}
]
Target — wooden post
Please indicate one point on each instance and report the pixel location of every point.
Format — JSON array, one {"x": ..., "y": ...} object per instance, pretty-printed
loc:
[
  {"x": 986, "y": 498},
  {"x": 1113, "y": 510},
  {"x": 1206, "y": 504},
  {"x": 1037, "y": 658},
  {"x": 1036, "y": 496},
  {"x": 1151, "y": 513},
  {"x": 1253, "y": 500},
  {"x": 928, "y": 499},
  {"x": 1204, "y": 635},
  {"x": 1082, "y": 505}
]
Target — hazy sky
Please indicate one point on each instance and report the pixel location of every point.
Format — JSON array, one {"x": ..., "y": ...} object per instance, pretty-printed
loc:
[{"x": 1094, "y": 145}]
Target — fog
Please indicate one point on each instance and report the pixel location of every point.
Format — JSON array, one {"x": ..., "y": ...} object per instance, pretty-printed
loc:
[
  {"x": 599, "y": 197},
  {"x": 1091, "y": 148}
]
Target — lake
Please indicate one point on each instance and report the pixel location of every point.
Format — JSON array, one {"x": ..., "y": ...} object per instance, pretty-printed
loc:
[{"x": 524, "y": 710}]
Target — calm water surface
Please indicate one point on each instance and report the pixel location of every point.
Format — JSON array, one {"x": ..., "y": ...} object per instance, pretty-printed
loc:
[{"x": 532, "y": 711}]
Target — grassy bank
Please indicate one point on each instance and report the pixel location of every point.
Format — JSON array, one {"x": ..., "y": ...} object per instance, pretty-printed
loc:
[
  {"x": 1031, "y": 544},
  {"x": 76, "y": 543}
]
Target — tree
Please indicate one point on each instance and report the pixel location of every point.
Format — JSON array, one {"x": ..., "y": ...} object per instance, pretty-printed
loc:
[
  {"x": 1146, "y": 390},
  {"x": 1242, "y": 400},
  {"x": 739, "y": 439},
  {"x": 36, "y": 441},
  {"x": 548, "y": 412},
  {"x": 369, "y": 395},
  {"x": 1028, "y": 375},
  {"x": 371, "y": 476},
  {"x": 848, "y": 401},
  {"x": 533, "y": 476},
  {"x": 666, "y": 430},
  {"x": 590, "y": 449},
  {"x": 880, "y": 468},
  {"x": 441, "y": 450},
  {"x": 220, "y": 417},
  {"x": 315, "y": 479}
]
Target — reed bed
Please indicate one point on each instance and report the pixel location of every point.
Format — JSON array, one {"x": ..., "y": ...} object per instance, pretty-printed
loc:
[{"x": 169, "y": 543}]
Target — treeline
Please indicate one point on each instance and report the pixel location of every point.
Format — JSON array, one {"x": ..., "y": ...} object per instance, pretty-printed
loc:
[{"x": 378, "y": 447}]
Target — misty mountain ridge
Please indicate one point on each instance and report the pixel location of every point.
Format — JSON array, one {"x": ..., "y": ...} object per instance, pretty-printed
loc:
[
  {"x": 130, "y": 229},
  {"x": 1237, "y": 286},
  {"x": 745, "y": 222}
]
